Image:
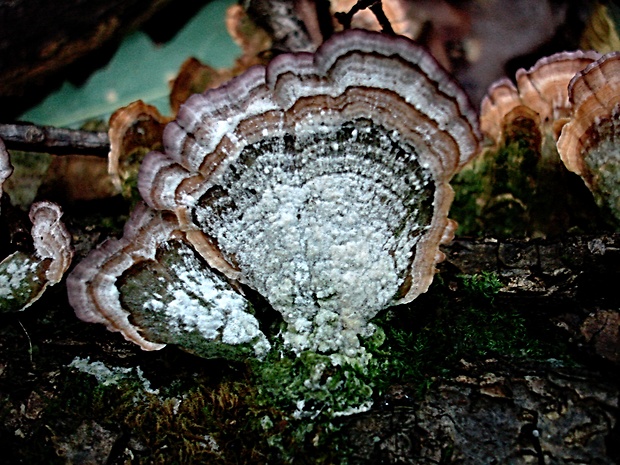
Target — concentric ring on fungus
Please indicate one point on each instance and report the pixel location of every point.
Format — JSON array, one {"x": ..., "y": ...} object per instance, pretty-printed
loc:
[
  {"x": 321, "y": 181},
  {"x": 541, "y": 89},
  {"x": 590, "y": 142}
]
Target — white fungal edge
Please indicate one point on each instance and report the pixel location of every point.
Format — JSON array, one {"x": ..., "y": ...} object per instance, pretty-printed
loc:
[
  {"x": 91, "y": 286},
  {"x": 51, "y": 239}
]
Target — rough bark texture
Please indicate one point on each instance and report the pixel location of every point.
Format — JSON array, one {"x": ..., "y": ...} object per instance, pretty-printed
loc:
[
  {"x": 48, "y": 139},
  {"x": 570, "y": 282},
  {"x": 493, "y": 413}
]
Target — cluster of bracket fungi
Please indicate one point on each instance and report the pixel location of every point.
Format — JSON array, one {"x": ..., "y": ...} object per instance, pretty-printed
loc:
[
  {"x": 573, "y": 98},
  {"x": 321, "y": 181}
]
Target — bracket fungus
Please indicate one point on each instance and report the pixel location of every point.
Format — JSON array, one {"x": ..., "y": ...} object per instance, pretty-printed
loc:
[
  {"x": 590, "y": 143},
  {"x": 153, "y": 275},
  {"x": 541, "y": 94},
  {"x": 134, "y": 131},
  {"x": 321, "y": 181},
  {"x": 506, "y": 191},
  {"x": 24, "y": 276}
]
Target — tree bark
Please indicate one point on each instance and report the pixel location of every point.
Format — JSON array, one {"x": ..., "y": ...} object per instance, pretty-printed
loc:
[
  {"x": 496, "y": 413},
  {"x": 569, "y": 283}
]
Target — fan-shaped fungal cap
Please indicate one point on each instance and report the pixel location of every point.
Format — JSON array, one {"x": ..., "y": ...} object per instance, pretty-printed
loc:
[
  {"x": 25, "y": 276},
  {"x": 542, "y": 88},
  {"x": 152, "y": 287},
  {"x": 51, "y": 239},
  {"x": 590, "y": 143},
  {"x": 321, "y": 180},
  {"x": 134, "y": 131}
]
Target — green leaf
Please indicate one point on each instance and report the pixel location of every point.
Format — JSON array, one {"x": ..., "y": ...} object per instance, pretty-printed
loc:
[{"x": 140, "y": 70}]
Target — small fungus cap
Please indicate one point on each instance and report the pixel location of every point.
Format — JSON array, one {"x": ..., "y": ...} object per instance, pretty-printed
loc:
[
  {"x": 25, "y": 275},
  {"x": 132, "y": 129},
  {"x": 152, "y": 287},
  {"x": 51, "y": 239},
  {"x": 542, "y": 88}
]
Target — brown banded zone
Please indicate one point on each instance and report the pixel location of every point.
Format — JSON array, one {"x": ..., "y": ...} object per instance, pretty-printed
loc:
[
  {"x": 543, "y": 89},
  {"x": 385, "y": 79},
  {"x": 590, "y": 142}
]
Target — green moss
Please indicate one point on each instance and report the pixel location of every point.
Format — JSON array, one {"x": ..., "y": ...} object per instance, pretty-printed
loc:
[
  {"x": 29, "y": 171},
  {"x": 167, "y": 429},
  {"x": 202, "y": 418},
  {"x": 306, "y": 395},
  {"x": 485, "y": 285},
  {"x": 129, "y": 168},
  {"x": 285, "y": 409},
  {"x": 506, "y": 191},
  {"x": 444, "y": 326},
  {"x": 312, "y": 385},
  {"x": 495, "y": 193}
]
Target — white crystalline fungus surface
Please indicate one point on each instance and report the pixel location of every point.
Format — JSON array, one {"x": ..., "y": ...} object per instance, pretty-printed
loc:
[
  {"x": 604, "y": 161},
  {"x": 201, "y": 302},
  {"x": 13, "y": 276},
  {"x": 325, "y": 233},
  {"x": 99, "y": 370},
  {"x": 110, "y": 376}
]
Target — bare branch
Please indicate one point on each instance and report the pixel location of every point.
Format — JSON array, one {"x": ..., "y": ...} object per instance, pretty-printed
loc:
[
  {"x": 375, "y": 6},
  {"x": 57, "y": 141}
]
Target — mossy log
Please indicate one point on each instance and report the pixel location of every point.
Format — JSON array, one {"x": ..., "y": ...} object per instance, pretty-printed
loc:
[
  {"x": 567, "y": 282},
  {"x": 486, "y": 408}
]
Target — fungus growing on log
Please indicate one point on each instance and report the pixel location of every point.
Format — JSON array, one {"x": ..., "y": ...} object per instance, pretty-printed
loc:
[
  {"x": 506, "y": 191},
  {"x": 590, "y": 143},
  {"x": 24, "y": 276},
  {"x": 134, "y": 131},
  {"x": 320, "y": 181},
  {"x": 542, "y": 90},
  {"x": 153, "y": 287}
]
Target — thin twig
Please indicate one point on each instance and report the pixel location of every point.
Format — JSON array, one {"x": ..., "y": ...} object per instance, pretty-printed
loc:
[
  {"x": 58, "y": 141},
  {"x": 377, "y": 9},
  {"x": 375, "y": 6},
  {"x": 29, "y": 343}
]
